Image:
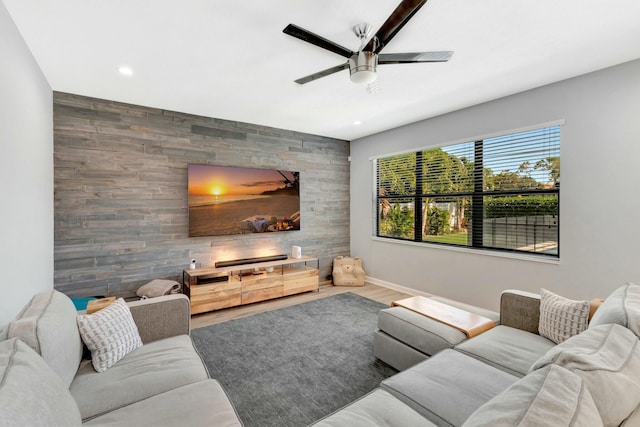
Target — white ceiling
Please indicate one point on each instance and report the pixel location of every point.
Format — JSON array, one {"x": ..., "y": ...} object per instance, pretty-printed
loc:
[{"x": 229, "y": 58}]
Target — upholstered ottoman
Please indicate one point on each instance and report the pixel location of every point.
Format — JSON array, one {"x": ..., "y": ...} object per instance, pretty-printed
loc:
[{"x": 405, "y": 338}]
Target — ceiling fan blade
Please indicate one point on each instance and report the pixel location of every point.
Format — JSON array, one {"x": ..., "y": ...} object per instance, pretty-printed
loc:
[
  {"x": 309, "y": 37},
  {"x": 394, "y": 23},
  {"x": 407, "y": 58},
  {"x": 324, "y": 73}
]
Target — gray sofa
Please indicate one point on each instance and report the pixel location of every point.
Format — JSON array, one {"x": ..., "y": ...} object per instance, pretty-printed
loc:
[
  {"x": 45, "y": 381},
  {"x": 512, "y": 376}
]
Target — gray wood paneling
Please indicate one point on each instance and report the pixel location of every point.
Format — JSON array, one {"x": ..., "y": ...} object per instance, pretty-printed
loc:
[{"x": 120, "y": 177}]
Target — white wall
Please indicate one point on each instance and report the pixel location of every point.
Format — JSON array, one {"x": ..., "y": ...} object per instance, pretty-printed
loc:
[
  {"x": 599, "y": 200},
  {"x": 26, "y": 173}
]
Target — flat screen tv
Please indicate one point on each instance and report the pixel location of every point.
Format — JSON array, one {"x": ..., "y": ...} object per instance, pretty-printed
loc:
[{"x": 227, "y": 200}]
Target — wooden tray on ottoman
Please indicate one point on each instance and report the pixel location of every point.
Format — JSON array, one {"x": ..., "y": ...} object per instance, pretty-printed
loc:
[{"x": 469, "y": 323}]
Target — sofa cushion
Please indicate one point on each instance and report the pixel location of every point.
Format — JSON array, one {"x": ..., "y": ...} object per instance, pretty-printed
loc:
[
  {"x": 200, "y": 404},
  {"x": 449, "y": 387},
  {"x": 560, "y": 317},
  {"x": 551, "y": 393},
  {"x": 607, "y": 357},
  {"x": 509, "y": 349},
  {"x": 48, "y": 325},
  {"x": 632, "y": 420},
  {"x": 420, "y": 332},
  {"x": 110, "y": 334},
  {"x": 30, "y": 392},
  {"x": 379, "y": 409},
  {"x": 621, "y": 307},
  {"x": 154, "y": 368}
]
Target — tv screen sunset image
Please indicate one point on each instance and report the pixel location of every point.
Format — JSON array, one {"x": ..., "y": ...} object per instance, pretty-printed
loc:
[{"x": 227, "y": 200}]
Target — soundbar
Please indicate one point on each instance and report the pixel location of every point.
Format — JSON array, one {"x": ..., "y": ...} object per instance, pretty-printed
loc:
[{"x": 250, "y": 260}]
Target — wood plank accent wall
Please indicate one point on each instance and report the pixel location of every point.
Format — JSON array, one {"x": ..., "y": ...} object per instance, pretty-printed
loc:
[{"x": 120, "y": 177}]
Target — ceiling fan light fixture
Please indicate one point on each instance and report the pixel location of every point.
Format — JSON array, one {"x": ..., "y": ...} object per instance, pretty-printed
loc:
[
  {"x": 363, "y": 63},
  {"x": 362, "y": 67}
]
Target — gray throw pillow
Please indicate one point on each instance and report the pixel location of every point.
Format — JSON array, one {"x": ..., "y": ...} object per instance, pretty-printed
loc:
[
  {"x": 110, "y": 334},
  {"x": 607, "y": 358},
  {"x": 48, "y": 325},
  {"x": 560, "y": 317},
  {"x": 30, "y": 392},
  {"x": 621, "y": 307},
  {"x": 548, "y": 396}
]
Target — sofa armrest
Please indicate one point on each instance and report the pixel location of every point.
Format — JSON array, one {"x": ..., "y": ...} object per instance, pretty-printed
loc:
[
  {"x": 161, "y": 317},
  {"x": 520, "y": 310}
]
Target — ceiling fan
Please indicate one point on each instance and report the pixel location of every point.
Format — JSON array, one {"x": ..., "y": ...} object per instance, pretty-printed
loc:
[{"x": 362, "y": 64}]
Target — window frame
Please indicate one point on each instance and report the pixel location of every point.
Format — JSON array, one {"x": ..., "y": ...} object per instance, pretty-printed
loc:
[{"x": 474, "y": 247}]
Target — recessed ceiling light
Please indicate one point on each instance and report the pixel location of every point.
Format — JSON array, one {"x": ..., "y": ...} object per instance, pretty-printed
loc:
[
  {"x": 125, "y": 71},
  {"x": 357, "y": 123}
]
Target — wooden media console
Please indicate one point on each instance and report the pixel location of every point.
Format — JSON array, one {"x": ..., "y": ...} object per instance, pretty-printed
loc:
[{"x": 212, "y": 288}]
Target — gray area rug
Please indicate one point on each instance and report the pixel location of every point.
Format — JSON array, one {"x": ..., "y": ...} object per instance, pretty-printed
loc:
[{"x": 293, "y": 366}]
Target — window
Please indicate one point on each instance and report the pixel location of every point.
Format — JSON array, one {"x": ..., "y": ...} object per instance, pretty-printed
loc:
[{"x": 497, "y": 193}]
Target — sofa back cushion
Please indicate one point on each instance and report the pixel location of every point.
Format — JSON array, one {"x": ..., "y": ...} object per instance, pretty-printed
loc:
[
  {"x": 30, "y": 392},
  {"x": 607, "y": 358},
  {"x": 633, "y": 420},
  {"x": 48, "y": 325},
  {"x": 549, "y": 396},
  {"x": 508, "y": 349},
  {"x": 621, "y": 307}
]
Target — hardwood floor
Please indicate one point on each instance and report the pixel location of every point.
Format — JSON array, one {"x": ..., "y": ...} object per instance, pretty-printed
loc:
[{"x": 374, "y": 292}]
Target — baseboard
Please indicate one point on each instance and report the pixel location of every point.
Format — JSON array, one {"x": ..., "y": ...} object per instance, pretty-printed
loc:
[{"x": 395, "y": 287}]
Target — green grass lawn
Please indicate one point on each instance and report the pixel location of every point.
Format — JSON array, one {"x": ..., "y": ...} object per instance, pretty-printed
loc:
[{"x": 455, "y": 239}]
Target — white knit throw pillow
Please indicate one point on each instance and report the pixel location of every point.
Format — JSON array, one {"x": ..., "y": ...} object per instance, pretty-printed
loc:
[
  {"x": 110, "y": 334},
  {"x": 560, "y": 317}
]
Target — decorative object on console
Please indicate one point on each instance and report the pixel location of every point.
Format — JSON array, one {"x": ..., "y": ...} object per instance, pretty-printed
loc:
[
  {"x": 348, "y": 271},
  {"x": 227, "y": 200},
  {"x": 296, "y": 251}
]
